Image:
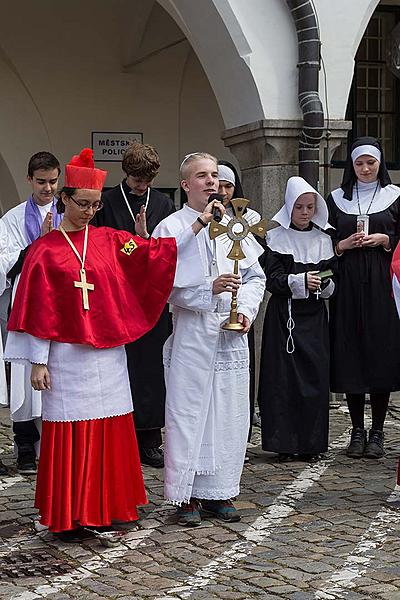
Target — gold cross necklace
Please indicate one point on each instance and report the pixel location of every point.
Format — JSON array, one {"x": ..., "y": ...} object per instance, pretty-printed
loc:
[{"x": 82, "y": 283}]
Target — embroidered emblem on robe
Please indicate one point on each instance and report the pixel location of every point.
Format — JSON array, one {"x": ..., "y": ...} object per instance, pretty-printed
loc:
[{"x": 129, "y": 247}]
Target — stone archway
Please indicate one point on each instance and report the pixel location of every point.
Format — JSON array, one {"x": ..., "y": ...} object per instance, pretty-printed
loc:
[
  {"x": 23, "y": 134},
  {"x": 221, "y": 47}
]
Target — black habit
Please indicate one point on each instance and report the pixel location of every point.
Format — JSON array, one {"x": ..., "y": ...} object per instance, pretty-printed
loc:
[
  {"x": 294, "y": 386},
  {"x": 365, "y": 327}
]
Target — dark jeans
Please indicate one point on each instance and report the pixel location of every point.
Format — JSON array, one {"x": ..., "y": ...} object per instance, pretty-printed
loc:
[{"x": 25, "y": 436}]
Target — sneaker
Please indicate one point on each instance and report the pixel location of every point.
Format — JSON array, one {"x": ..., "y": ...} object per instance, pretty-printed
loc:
[
  {"x": 189, "y": 513},
  {"x": 357, "y": 444},
  {"x": 3, "y": 468},
  {"x": 222, "y": 509},
  {"x": 153, "y": 457},
  {"x": 26, "y": 464},
  {"x": 374, "y": 447}
]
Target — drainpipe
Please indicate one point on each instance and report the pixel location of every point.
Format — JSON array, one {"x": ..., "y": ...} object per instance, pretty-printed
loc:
[{"x": 309, "y": 45}]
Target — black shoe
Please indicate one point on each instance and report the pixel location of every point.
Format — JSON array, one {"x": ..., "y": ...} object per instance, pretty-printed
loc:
[
  {"x": 309, "y": 458},
  {"x": 153, "y": 457},
  {"x": 3, "y": 468},
  {"x": 374, "y": 447},
  {"x": 285, "y": 457},
  {"x": 73, "y": 536},
  {"x": 357, "y": 444},
  {"x": 26, "y": 464}
]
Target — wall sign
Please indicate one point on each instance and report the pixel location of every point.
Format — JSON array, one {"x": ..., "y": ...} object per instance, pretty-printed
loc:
[{"x": 109, "y": 146}]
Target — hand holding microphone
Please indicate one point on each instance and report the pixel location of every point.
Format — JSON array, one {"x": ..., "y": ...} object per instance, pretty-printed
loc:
[
  {"x": 217, "y": 214},
  {"x": 214, "y": 209}
]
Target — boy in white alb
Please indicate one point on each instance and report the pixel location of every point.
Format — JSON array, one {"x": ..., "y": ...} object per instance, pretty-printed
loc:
[
  {"x": 207, "y": 368},
  {"x": 25, "y": 223}
]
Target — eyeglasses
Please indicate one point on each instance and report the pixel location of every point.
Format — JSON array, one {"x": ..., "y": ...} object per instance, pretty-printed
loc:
[{"x": 85, "y": 206}]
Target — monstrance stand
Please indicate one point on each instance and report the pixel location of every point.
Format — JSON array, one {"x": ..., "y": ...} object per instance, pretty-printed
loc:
[{"x": 237, "y": 229}]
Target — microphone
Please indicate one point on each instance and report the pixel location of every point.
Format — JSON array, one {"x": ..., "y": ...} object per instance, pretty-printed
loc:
[{"x": 217, "y": 215}]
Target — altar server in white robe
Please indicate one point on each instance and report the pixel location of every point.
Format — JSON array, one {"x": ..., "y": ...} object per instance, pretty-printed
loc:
[
  {"x": 207, "y": 368},
  {"x": 24, "y": 223}
]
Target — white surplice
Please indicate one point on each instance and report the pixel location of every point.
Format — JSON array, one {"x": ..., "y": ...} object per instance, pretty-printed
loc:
[
  {"x": 25, "y": 402},
  {"x": 87, "y": 382},
  {"x": 207, "y": 372}
]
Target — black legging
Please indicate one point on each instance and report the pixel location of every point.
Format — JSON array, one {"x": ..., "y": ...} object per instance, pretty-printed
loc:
[{"x": 379, "y": 406}]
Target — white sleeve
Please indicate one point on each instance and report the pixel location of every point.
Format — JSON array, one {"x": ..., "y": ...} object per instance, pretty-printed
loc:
[
  {"x": 297, "y": 285},
  {"x": 396, "y": 292},
  {"x": 17, "y": 241},
  {"x": 4, "y": 257},
  {"x": 26, "y": 349},
  {"x": 251, "y": 291},
  {"x": 197, "y": 298},
  {"x": 328, "y": 290},
  {"x": 189, "y": 265},
  {"x": 8, "y": 256}
]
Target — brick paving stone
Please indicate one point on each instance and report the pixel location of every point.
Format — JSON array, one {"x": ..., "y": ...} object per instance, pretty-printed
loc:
[
  {"x": 378, "y": 588},
  {"x": 238, "y": 596},
  {"x": 294, "y": 560},
  {"x": 88, "y": 595},
  {"x": 97, "y": 586},
  {"x": 200, "y": 595}
]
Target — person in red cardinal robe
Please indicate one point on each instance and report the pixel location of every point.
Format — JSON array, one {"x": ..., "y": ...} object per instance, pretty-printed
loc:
[
  {"x": 395, "y": 274},
  {"x": 84, "y": 292}
]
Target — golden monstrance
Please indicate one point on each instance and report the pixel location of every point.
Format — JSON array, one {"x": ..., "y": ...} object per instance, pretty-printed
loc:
[{"x": 237, "y": 229}]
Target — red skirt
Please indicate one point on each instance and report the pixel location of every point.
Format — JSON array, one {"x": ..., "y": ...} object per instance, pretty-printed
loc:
[{"x": 89, "y": 473}]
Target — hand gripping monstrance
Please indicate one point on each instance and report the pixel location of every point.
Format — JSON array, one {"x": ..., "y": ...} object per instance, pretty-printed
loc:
[{"x": 237, "y": 229}]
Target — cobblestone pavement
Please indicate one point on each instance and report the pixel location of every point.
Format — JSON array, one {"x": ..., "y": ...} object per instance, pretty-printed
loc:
[{"x": 322, "y": 531}]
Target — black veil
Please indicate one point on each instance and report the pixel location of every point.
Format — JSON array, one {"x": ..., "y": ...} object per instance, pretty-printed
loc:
[{"x": 349, "y": 175}]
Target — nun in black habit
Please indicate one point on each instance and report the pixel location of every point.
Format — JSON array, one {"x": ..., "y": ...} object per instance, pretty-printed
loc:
[
  {"x": 294, "y": 370},
  {"x": 365, "y": 329}
]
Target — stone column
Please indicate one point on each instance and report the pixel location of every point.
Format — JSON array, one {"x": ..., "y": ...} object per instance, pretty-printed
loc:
[{"x": 268, "y": 151}]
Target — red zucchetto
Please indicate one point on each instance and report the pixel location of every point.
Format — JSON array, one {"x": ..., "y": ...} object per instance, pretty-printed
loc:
[{"x": 81, "y": 173}]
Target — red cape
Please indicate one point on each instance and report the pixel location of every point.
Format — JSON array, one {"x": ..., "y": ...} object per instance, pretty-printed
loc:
[
  {"x": 395, "y": 266},
  {"x": 130, "y": 288}
]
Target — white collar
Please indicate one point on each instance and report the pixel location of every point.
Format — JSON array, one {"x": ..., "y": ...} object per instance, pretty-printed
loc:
[
  {"x": 306, "y": 247},
  {"x": 384, "y": 198}
]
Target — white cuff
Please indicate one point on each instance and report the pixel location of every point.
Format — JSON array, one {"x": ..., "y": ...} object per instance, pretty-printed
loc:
[
  {"x": 297, "y": 285},
  {"x": 24, "y": 348},
  {"x": 328, "y": 290}
]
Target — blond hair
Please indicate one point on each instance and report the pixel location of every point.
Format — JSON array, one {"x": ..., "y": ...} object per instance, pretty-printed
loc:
[{"x": 189, "y": 159}]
